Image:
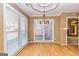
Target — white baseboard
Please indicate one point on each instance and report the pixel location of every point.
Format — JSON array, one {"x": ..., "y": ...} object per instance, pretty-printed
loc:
[
  {"x": 69, "y": 44},
  {"x": 43, "y": 42},
  {"x": 72, "y": 44},
  {"x": 19, "y": 50}
]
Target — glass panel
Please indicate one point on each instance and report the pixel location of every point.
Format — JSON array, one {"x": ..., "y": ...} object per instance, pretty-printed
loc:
[
  {"x": 38, "y": 30},
  {"x": 22, "y": 30},
  {"x": 48, "y": 30},
  {"x": 26, "y": 29},
  {"x": 11, "y": 29}
]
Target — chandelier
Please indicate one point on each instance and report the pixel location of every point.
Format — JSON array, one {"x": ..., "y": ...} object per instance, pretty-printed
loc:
[{"x": 44, "y": 7}]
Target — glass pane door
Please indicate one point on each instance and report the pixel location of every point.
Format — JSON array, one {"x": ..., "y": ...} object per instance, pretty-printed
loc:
[
  {"x": 11, "y": 30},
  {"x": 48, "y": 30},
  {"x": 43, "y": 29},
  {"x": 22, "y": 30},
  {"x": 38, "y": 29}
]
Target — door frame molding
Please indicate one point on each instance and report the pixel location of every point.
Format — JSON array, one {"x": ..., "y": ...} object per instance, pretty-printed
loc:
[
  {"x": 67, "y": 28},
  {"x": 49, "y": 41}
]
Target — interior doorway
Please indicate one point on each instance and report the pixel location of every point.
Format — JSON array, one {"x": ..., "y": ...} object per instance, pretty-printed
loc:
[
  {"x": 44, "y": 30},
  {"x": 72, "y": 31}
]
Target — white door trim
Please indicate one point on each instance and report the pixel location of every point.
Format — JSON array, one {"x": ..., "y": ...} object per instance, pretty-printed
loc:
[
  {"x": 43, "y": 32},
  {"x": 67, "y": 27}
]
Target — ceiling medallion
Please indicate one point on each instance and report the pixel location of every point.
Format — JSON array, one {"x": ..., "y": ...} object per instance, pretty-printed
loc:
[
  {"x": 44, "y": 7},
  {"x": 39, "y": 7}
]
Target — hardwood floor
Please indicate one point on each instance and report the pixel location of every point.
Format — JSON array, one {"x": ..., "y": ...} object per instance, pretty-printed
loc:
[{"x": 49, "y": 49}]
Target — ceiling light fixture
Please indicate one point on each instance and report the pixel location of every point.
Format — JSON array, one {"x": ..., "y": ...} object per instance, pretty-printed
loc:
[{"x": 44, "y": 7}]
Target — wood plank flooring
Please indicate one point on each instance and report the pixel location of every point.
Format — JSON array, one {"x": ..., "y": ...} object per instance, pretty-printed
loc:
[{"x": 49, "y": 49}]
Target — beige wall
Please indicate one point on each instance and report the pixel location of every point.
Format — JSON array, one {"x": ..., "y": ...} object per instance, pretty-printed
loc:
[
  {"x": 56, "y": 27},
  {"x": 63, "y": 18},
  {"x": 1, "y": 29}
]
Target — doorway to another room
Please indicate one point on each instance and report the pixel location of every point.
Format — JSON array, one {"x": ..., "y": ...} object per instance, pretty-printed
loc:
[{"x": 72, "y": 31}]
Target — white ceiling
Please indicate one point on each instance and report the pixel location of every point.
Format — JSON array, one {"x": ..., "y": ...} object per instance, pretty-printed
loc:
[{"x": 62, "y": 7}]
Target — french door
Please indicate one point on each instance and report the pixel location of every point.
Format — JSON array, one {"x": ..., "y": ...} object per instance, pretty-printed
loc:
[{"x": 43, "y": 30}]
